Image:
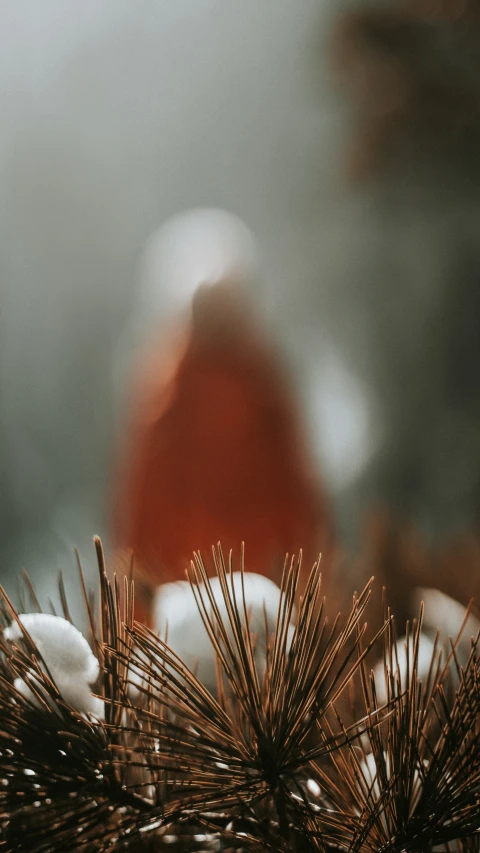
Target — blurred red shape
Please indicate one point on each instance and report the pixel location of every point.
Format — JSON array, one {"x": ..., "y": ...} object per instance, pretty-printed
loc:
[{"x": 216, "y": 452}]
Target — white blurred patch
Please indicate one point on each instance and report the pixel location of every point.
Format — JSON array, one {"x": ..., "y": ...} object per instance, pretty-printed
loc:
[
  {"x": 368, "y": 768},
  {"x": 444, "y": 613},
  {"x": 201, "y": 246},
  {"x": 343, "y": 420},
  {"x": 425, "y": 652},
  {"x": 175, "y": 607},
  {"x": 67, "y": 656}
]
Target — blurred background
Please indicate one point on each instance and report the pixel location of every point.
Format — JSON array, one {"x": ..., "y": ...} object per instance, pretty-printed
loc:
[{"x": 117, "y": 115}]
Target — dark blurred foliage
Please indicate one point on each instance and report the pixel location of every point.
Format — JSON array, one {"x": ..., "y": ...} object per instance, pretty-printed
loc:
[{"x": 412, "y": 71}]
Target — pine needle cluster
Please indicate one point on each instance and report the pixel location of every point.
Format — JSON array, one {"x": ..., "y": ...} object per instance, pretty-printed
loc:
[{"x": 275, "y": 759}]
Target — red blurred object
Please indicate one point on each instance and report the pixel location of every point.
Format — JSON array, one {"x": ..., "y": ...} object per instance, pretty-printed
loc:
[{"x": 216, "y": 452}]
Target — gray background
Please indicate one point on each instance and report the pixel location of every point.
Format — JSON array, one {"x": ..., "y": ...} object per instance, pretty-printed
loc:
[{"x": 116, "y": 115}]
